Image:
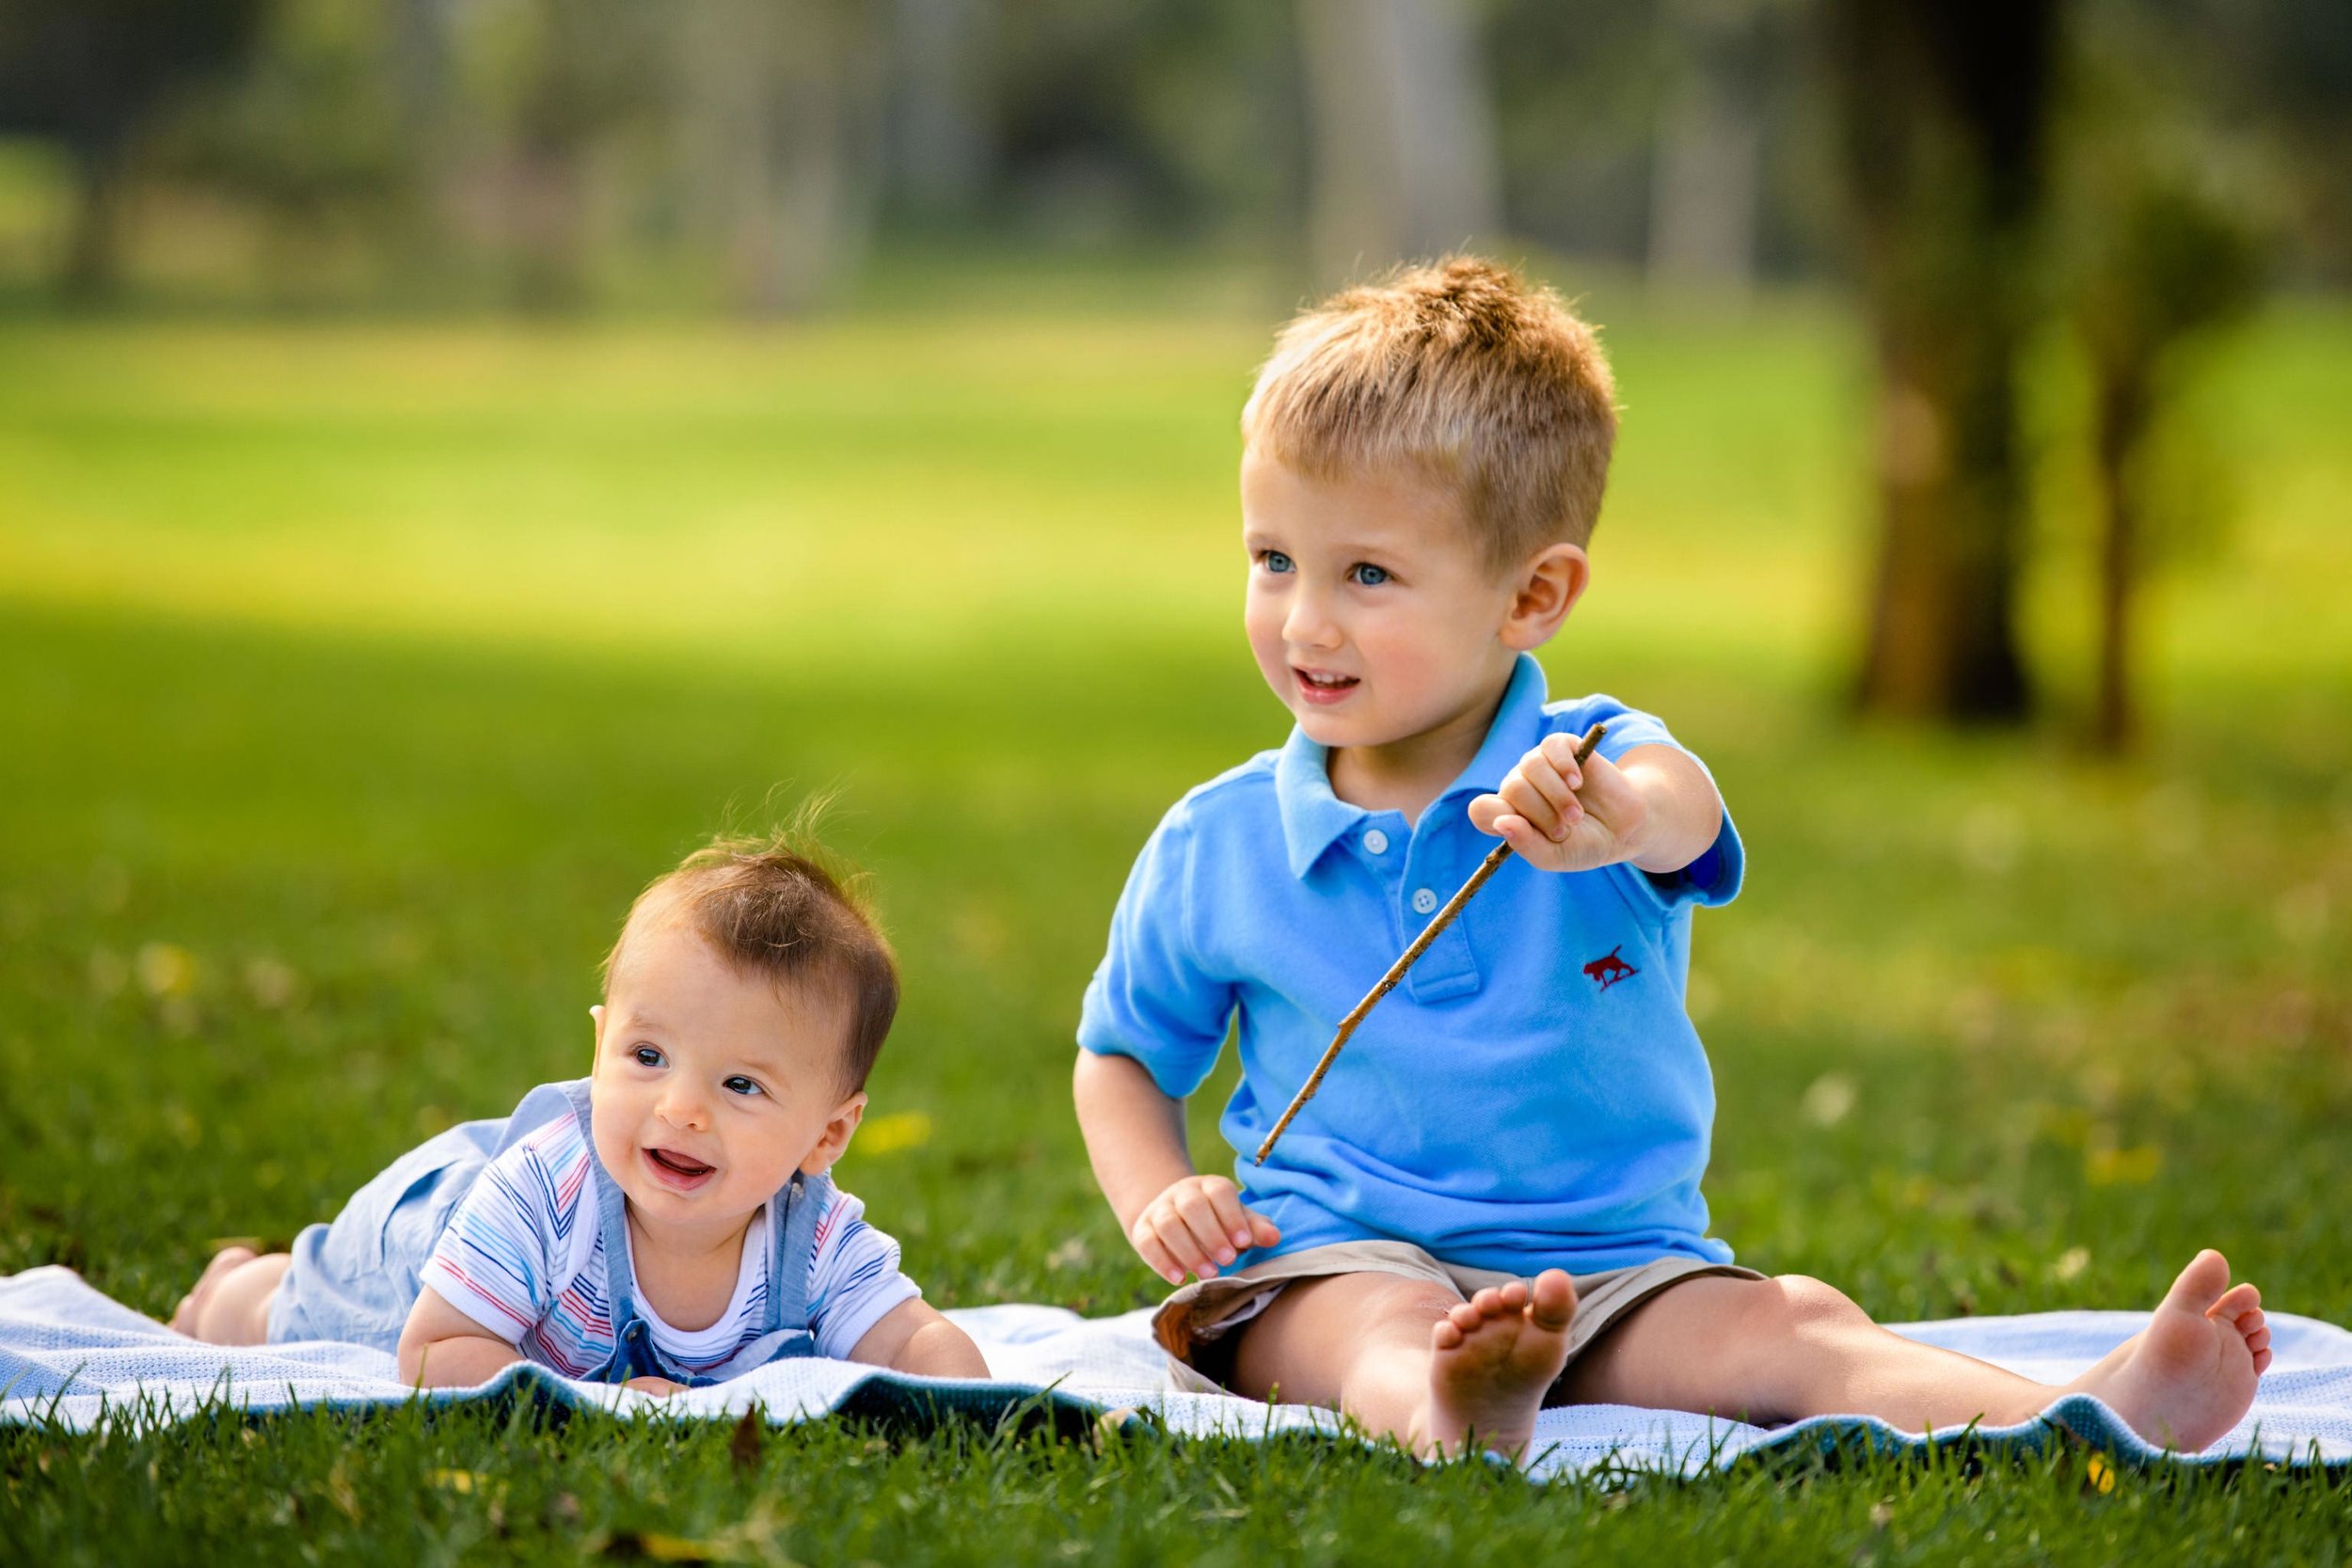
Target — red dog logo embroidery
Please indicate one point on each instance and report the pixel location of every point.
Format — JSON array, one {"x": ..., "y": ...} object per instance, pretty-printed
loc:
[{"x": 1609, "y": 969}]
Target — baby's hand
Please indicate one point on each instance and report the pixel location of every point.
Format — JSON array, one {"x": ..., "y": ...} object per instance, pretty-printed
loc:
[
  {"x": 661, "y": 1385},
  {"x": 1563, "y": 814},
  {"x": 1195, "y": 1226}
]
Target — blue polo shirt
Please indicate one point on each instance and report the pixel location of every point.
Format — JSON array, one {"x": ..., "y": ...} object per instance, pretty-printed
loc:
[{"x": 1532, "y": 1096}]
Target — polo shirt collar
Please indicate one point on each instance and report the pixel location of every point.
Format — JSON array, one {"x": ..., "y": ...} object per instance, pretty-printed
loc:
[{"x": 1313, "y": 819}]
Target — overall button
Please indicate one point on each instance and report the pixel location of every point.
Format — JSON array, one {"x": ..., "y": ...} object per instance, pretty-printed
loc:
[
  {"x": 1423, "y": 901},
  {"x": 1376, "y": 841}
]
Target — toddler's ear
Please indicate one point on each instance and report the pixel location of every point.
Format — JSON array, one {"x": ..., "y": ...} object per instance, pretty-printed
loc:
[
  {"x": 1548, "y": 587},
  {"x": 596, "y": 1016}
]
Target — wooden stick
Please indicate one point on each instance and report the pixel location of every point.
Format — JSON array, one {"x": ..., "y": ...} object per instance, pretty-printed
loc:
[{"x": 1439, "y": 921}]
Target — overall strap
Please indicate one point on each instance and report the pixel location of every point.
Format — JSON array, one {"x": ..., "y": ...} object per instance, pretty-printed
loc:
[
  {"x": 611, "y": 1223},
  {"x": 542, "y": 1105},
  {"x": 793, "y": 1214}
]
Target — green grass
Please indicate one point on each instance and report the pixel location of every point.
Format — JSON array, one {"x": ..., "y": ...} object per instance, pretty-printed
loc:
[{"x": 353, "y": 678}]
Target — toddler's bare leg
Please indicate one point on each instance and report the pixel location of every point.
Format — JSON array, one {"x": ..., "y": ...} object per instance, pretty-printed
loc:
[
  {"x": 1410, "y": 1358},
  {"x": 229, "y": 1302},
  {"x": 1783, "y": 1349}
]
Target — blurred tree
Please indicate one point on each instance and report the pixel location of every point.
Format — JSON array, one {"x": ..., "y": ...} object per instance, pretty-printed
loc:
[
  {"x": 1706, "y": 184},
  {"x": 1946, "y": 105},
  {"x": 1163, "y": 117},
  {"x": 2162, "y": 252},
  {"x": 942, "y": 152},
  {"x": 557, "y": 79},
  {"x": 311, "y": 130},
  {"x": 786, "y": 101},
  {"x": 94, "y": 73},
  {"x": 2278, "y": 71},
  {"x": 1404, "y": 160},
  {"x": 2169, "y": 264}
]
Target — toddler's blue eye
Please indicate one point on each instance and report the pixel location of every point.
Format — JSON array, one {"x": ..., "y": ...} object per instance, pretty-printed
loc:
[
  {"x": 1277, "y": 561},
  {"x": 742, "y": 1086},
  {"x": 646, "y": 1055},
  {"x": 1369, "y": 575}
]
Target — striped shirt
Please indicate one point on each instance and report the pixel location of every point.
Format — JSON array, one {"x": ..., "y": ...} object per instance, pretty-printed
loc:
[{"x": 522, "y": 1258}]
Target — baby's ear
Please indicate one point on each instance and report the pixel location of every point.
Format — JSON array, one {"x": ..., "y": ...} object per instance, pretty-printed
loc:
[
  {"x": 596, "y": 1016},
  {"x": 835, "y": 1139}
]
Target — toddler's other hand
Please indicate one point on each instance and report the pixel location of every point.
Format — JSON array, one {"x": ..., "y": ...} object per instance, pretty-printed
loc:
[
  {"x": 1196, "y": 1225},
  {"x": 661, "y": 1385},
  {"x": 1562, "y": 815}
]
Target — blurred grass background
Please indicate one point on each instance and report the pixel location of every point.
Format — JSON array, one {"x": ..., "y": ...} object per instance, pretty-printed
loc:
[
  {"x": 457, "y": 455},
  {"x": 356, "y": 676}
]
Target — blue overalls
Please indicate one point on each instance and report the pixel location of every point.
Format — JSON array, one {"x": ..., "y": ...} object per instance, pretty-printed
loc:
[{"x": 354, "y": 1280}]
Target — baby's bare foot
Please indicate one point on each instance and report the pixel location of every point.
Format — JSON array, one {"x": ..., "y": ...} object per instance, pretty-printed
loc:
[
  {"x": 190, "y": 1312},
  {"x": 2189, "y": 1375},
  {"x": 1492, "y": 1357}
]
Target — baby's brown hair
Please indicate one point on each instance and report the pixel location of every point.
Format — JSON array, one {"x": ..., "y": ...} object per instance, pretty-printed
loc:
[
  {"x": 770, "y": 906},
  {"x": 1462, "y": 372}
]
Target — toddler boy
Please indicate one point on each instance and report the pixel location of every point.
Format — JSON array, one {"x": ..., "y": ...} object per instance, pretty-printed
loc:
[
  {"x": 665, "y": 1222},
  {"x": 1423, "y": 466}
]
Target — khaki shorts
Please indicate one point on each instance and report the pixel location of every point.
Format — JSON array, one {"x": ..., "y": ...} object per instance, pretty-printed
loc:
[{"x": 1196, "y": 1325}]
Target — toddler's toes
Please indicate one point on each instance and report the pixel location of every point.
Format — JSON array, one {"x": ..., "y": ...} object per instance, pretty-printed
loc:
[
  {"x": 1552, "y": 1300},
  {"x": 1445, "y": 1334}
]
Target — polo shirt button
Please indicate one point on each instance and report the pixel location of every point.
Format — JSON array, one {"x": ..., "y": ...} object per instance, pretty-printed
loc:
[
  {"x": 1376, "y": 841},
  {"x": 1424, "y": 900}
]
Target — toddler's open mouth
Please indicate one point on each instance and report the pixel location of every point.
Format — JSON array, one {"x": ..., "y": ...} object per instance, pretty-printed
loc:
[
  {"x": 679, "y": 1172},
  {"x": 1323, "y": 685}
]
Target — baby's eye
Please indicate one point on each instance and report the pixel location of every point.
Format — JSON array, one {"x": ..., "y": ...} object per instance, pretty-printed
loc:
[
  {"x": 742, "y": 1086},
  {"x": 646, "y": 1055},
  {"x": 1365, "y": 573},
  {"x": 1275, "y": 560}
]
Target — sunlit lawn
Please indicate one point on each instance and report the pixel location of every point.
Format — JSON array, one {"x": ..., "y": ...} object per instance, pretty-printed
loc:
[{"x": 353, "y": 677}]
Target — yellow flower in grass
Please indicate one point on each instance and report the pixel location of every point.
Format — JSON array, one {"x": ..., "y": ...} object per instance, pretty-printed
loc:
[
  {"x": 889, "y": 1135},
  {"x": 166, "y": 969}
]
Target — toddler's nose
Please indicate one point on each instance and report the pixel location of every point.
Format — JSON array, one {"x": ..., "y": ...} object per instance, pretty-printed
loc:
[{"x": 1309, "y": 623}]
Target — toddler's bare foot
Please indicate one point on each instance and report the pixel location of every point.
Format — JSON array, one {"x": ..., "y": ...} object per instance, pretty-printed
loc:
[
  {"x": 1492, "y": 1359},
  {"x": 2189, "y": 1375},
  {"x": 190, "y": 1312}
]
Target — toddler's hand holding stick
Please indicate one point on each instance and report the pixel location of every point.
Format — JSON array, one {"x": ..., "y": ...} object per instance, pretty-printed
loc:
[{"x": 1438, "y": 923}]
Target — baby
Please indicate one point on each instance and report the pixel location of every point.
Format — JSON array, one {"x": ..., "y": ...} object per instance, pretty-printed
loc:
[
  {"x": 1494, "y": 1203},
  {"x": 666, "y": 1222}
]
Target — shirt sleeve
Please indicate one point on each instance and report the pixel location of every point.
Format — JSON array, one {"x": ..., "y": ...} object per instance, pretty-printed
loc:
[
  {"x": 1713, "y": 878},
  {"x": 853, "y": 1278},
  {"x": 494, "y": 1262},
  {"x": 1151, "y": 999}
]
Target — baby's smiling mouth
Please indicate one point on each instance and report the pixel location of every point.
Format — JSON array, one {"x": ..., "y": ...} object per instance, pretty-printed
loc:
[{"x": 680, "y": 1171}]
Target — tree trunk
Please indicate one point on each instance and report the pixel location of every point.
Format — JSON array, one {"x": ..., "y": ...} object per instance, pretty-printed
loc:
[
  {"x": 1404, "y": 160},
  {"x": 92, "y": 262},
  {"x": 547, "y": 226},
  {"x": 941, "y": 151},
  {"x": 2125, "y": 402},
  {"x": 1710, "y": 137},
  {"x": 789, "y": 98},
  {"x": 1945, "y": 106}
]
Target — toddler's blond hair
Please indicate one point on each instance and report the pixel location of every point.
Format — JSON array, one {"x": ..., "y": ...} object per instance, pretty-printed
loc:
[{"x": 1462, "y": 372}]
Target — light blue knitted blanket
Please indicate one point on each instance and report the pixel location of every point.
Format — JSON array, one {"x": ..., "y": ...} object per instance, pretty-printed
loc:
[{"x": 68, "y": 1354}]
